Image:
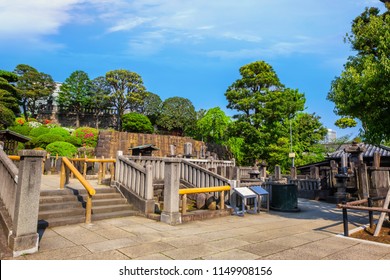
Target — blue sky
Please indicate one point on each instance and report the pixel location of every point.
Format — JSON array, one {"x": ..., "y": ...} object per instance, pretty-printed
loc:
[{"x": 192, "y": 49}]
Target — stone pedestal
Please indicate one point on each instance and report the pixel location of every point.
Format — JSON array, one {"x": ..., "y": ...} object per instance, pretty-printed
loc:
[
  {"x": 341, "y": 185},
  {"x": 24, "y": 238},
  {"x": 171, "y": 214}
]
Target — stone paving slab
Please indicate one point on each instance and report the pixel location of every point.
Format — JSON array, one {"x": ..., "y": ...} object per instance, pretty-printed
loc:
[{"x": 309, "y": 234}]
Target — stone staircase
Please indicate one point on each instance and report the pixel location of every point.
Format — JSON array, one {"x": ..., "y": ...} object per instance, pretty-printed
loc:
[{"x": 67, "y": 206}]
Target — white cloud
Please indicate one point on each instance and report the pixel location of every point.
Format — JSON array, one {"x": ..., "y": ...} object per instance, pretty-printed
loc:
[
  {"x": 271, "y": 25},
  {"x": 33, "y": 18}
]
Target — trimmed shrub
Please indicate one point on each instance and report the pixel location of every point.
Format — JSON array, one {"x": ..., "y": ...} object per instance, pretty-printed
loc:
[
  {"x": 45, "y": 139},
  {"x": 135, "y": 122},
  {"x": 21, "y": 129},
  {"x": 73, "y": 140},
  {"x": 87, "y": 135},
  {"x": 61, "y": 148},
  {"x": 38, "y": 131},
  {"x": 59, "y": 131}
]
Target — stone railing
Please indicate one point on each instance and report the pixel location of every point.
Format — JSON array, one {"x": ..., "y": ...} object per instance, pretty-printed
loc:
[
  {"x": 200, "y": 177},
  {"x": 19, "y": 191},
  {"x": 9, "y": 181},
  {"x": 157, "y": 163},
  {"x": 135, "y": 182},
  {"x": 209, "y": 163}
]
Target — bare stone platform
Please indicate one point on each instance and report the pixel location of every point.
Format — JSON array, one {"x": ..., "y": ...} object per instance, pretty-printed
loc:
[{"x": 311, "y": 234}]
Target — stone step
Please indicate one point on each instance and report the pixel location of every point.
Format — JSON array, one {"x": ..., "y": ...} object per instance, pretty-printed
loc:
[
  {"x": 56, "y": 192},
  {"x": 57, "y": 199},
  {"x": 61, "y": 221},
  {"x": 67, "y": 206},
  {"x": 57, "y": 213},
  {"x": 109, "y": 215},
  {"x": 59, "y": 205},
  {"x": 99, "y": 196},
  {"x": 110, "y": 208},
  {"x": 104, "y": 202}
]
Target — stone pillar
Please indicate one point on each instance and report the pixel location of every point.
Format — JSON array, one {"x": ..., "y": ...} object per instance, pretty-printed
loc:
[
  {"x": 293, "y": 173},
  {"x": 24, "y": 238},
  {"x": 314, "y": 172},
  {"x": 118, "y": 166},
  {"x": 171, "y": 214},
  {"x": 278, "y": 174}
]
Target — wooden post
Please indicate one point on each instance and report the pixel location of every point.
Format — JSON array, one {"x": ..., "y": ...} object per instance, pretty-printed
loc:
[
  {"x": 103, "y": 170},
  {"x": 184, "y": 204},
  {"x": 383, "y": 214},
  {"x": 88, "y": 210},
  {"x": 100, "y": 173},
  {"x": 62, "y": 176},
  {"x": 222, "y": 202},
  {"x": 85, "y": 168},
  {"x": 364, "y": 190},
  {"x": 377, "y": 160}
]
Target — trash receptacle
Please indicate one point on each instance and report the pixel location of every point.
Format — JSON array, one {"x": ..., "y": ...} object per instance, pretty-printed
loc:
[{"x": 284, "y": 198}]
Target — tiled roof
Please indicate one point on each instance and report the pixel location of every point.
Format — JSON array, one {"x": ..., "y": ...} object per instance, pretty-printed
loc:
[{"x": 384, "y": 151}]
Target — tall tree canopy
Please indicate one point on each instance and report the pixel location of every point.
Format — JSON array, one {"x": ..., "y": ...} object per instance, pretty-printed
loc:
[
  {"x": 100, "y": 92},
  {"x": 265, "y": 108},
  {"x": 212, "y": 127},
  {"x": 177, "y": 116},
  {"x": 362, "y": 91},
  {"x": 152, "y": 107},
  {"x": 127, "y": 92},
  {"x": 75, "y": 93},
  {"x": 9, "y": 105},
  {"x": 32, "y": 86}
]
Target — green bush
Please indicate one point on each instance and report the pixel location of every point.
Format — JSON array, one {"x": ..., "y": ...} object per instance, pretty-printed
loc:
[
  {"x": 38, "y": 131},
  {"x": 74, "y": 141},
  {"x": 135, "y": 122},
  {"x": 59, "y": 131},
  {"x": 61, "y": 148},
  {"x": 21, "y": 129},
  {"x": 87, "y": 135},
  {"x": 46, "y": 139}
]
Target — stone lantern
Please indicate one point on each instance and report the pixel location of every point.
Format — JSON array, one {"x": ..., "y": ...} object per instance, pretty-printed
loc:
[{"x": 355, "y": 153}]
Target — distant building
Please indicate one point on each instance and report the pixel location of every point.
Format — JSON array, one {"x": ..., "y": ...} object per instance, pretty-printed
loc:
[{"x": 330, "y": 136}]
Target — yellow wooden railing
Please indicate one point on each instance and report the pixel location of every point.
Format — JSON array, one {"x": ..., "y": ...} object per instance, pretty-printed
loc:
[
  {"x": 90, "y": 190},
  {"x": 220, "y": 189},
  {"x": 17, "y": 158},
  {"x": 102, "y": 166}
]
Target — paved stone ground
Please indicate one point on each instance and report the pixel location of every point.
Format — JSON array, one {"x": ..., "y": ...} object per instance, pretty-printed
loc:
[{"x": 311, "y": 234}]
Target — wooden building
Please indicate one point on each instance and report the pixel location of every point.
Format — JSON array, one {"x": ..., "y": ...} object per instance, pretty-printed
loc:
[
  {"x": 11, "y": 140},
  {"x": 144, "y": 150}
]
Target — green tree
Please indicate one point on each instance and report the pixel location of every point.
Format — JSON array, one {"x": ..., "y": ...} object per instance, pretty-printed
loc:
[
  {"x": 126, "y": 91},
  {"x": 75, "y": 93},
  {"x": 264, "y": 107},
  {"x": 136, "y": 122},
  {"x": 9, "y": 106},
  {"x": 152, "y": 107},
  {"x": 212, "y": 127},
  {"x": 32, "y": 86},
  {"x": 307, "y": 134},
  {"x": 177, "y": 116},
  {"x": 362, "y": 91},
  {"x": 100, "y": 101}
]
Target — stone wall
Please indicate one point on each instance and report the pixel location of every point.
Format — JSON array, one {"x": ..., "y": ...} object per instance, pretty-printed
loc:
[
  {"x": 112, "y": 141},
  {"x": 89, "y": 117}
]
